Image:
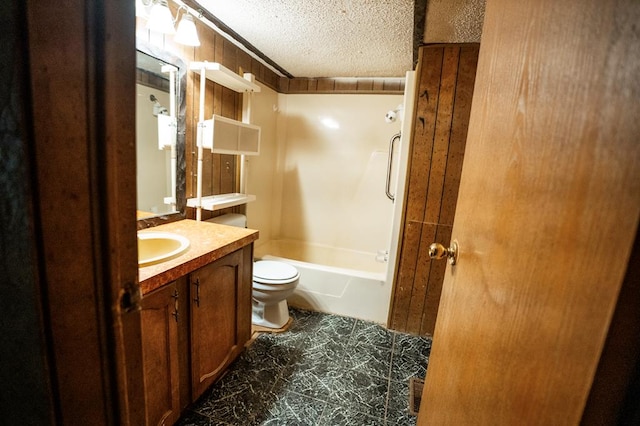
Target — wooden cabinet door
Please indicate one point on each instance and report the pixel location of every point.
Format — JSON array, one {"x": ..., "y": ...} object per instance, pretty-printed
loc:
[
  {"x": 159, "y": 323},
  {"x": 547, "y": 213},
  {"x": 215, "y": 296}
]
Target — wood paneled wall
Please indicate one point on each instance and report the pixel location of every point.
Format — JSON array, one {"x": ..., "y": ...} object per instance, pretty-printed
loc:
[
  {"x": 150, "y": 79},
  {"x": 388, "y": 86},
  {"x": 446, "y": 76}
]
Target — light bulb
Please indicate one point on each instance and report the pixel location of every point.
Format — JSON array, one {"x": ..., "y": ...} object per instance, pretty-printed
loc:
[
  {"x": 160, "y": 18},
  {"x": 187, "y": 33}
]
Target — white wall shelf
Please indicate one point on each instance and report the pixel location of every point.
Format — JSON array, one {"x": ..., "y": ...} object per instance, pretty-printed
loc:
[
  {"x": 226, "y": 136},
  {"x": 221, "y": 201},
  {"x": 224, "y": 76},
  {"x": 244, "y": 140}
]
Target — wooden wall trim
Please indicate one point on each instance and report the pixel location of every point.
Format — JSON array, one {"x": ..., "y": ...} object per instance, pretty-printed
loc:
[{"x": 353, "y": 86}]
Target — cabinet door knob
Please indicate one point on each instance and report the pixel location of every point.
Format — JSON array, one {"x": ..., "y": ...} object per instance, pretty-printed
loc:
[{"x": 438, "y": 251}]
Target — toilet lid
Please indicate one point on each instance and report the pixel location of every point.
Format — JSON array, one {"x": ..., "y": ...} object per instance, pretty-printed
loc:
[{"x": 272, "y": 270}]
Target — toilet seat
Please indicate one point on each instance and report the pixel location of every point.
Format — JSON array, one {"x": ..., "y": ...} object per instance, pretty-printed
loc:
[{"x": 274, "y": 273}]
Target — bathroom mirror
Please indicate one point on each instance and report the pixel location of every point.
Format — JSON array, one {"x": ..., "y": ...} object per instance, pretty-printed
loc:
[{"x": 160, "y": 156}]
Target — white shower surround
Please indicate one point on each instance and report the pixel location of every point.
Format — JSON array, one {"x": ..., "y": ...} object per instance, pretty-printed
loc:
[
  {"x": 319, "y": 182},
  {"x": 334, "y": 169}
]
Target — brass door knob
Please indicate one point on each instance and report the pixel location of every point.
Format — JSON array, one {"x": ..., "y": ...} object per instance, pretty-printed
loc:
[{"x": 438, "y": 251}]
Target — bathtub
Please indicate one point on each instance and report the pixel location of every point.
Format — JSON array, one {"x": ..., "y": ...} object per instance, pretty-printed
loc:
[{"x": 334, "y": 280}]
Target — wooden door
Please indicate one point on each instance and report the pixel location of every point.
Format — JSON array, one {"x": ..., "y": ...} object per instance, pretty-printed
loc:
[
  {"x": 214, "y": 319},
  {"x": 547, "y": 214},
  {"x": 159, "y": 318}
]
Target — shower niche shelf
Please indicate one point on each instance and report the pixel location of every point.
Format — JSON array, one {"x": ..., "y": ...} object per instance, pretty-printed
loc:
[{"x": 221, "y": 201}]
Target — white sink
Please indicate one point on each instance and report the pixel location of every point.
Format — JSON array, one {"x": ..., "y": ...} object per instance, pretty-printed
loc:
[{"x": 157, "y": 247}]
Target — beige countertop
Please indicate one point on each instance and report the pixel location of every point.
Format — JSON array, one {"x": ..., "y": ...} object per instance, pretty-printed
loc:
[{"x": 208, "y": 242}]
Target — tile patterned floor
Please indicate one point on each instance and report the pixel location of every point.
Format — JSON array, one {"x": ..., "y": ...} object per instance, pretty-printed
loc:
[{"x": 325, "y": 370}]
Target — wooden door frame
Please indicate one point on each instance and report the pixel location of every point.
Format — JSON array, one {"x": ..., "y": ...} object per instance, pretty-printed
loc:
[{"x": 81, "y": 56}]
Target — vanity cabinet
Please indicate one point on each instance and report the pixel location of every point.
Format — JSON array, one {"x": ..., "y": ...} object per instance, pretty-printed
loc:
[
  {"x": 220, "y": 316},
  {"x": 195, "y": 315},
  {"x": 159, "y": 317}
]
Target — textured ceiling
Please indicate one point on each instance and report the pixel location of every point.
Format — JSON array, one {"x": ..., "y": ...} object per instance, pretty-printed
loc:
[
  {"x": 325, "y": 38},
  {"x": 454, "y": 21}
]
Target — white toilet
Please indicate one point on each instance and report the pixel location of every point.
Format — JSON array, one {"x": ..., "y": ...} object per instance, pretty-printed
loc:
[{"x": 273, "y": 282}]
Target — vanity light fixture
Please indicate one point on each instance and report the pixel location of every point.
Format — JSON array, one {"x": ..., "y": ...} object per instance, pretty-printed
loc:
[
  {"x": 142, "y": 9},
  {"x": 187, "y": 33},
  {"x": 160, "y": 19}
]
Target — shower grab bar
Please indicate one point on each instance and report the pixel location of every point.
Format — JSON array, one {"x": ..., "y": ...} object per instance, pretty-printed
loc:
[{"x": 388, "y": 185}]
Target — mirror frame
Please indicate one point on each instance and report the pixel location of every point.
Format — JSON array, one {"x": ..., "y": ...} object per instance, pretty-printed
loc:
[{"x": 181, "y": 178}]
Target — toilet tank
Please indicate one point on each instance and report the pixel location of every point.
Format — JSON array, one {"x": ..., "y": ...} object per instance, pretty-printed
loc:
[{"x": 231, "y": 219}]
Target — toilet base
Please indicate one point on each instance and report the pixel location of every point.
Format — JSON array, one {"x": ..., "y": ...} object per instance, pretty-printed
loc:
[{"x": 271, "y": 316}]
